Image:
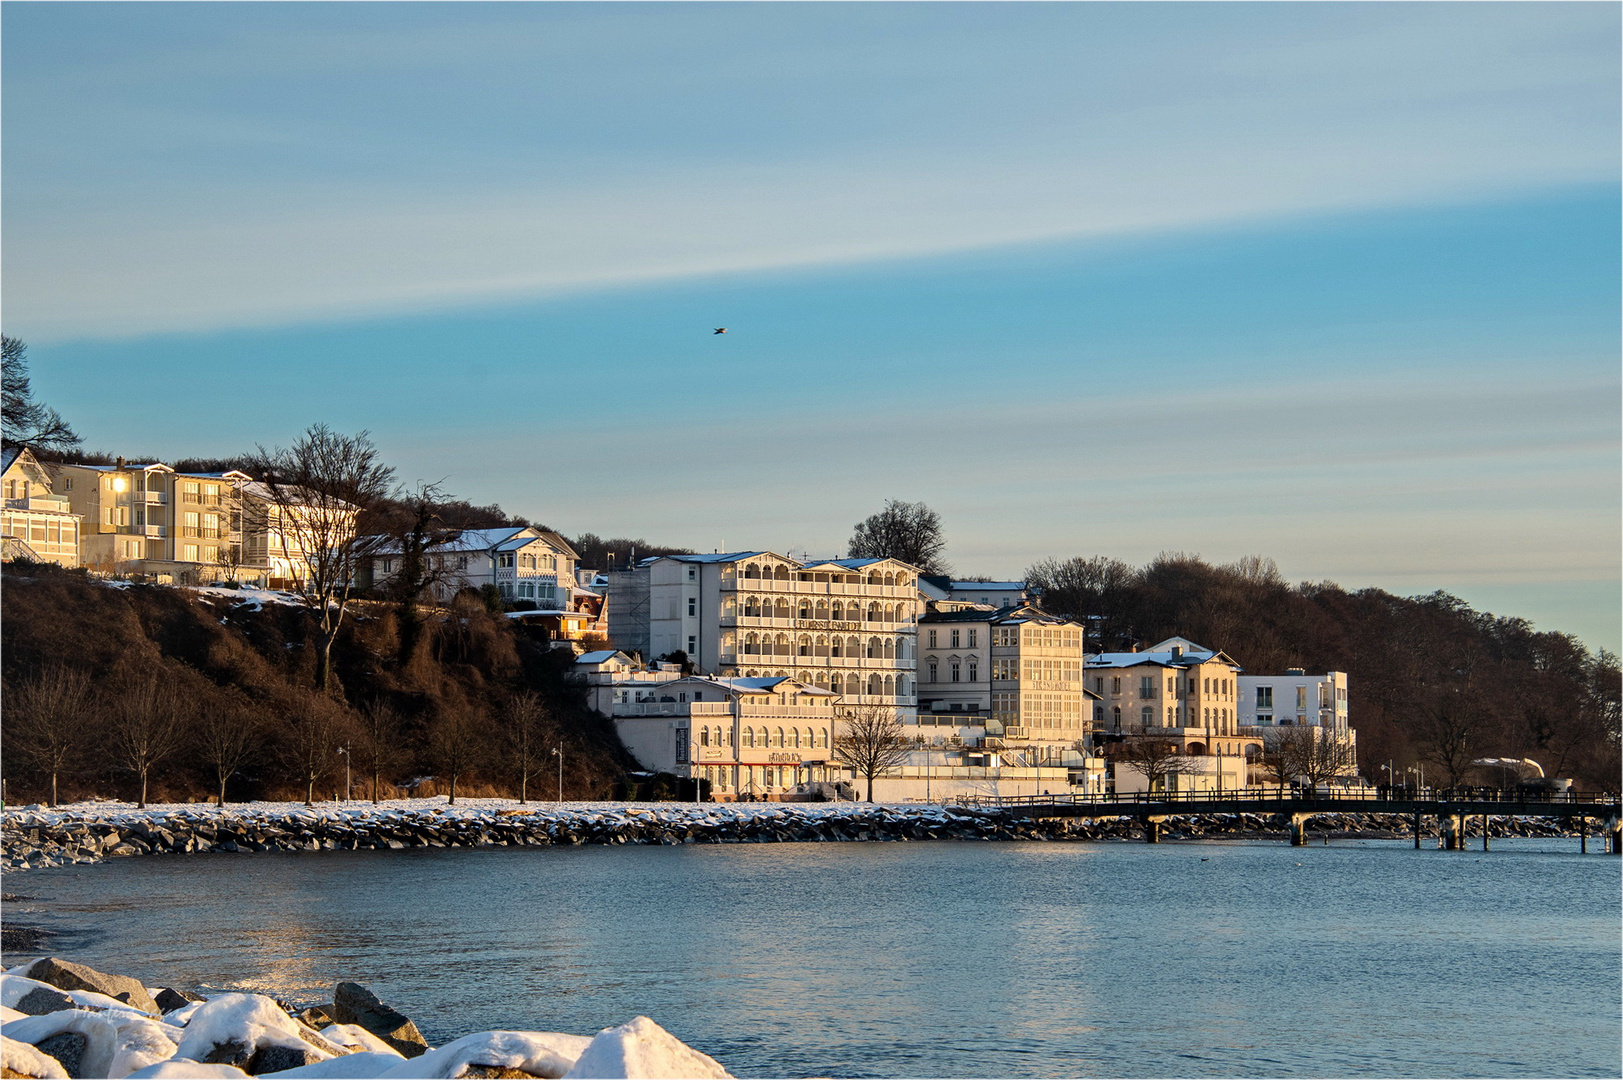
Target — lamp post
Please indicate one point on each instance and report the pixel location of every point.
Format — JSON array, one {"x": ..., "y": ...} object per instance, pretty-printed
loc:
[
  {"x": 558, "y": 752},
  {"x": 344, "y": 750},
  {"x": 1391, "y": 776}
]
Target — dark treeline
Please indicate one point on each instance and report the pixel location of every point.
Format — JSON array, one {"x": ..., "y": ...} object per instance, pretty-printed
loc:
[
  {"x": 1432, "y": 681},
  {"x": 110, "y": 689}
]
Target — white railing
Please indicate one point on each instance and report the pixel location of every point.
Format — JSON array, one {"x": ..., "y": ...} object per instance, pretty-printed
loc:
[{"x": 820, "y": 588}]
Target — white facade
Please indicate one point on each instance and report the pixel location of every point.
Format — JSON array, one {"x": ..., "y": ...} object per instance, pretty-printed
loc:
[
  {"x": 522, "y": 563},
  {"x": 846, "y": 625},
  {"x": 36, "y": 523},
  {"x": 1294, "y": 698}
]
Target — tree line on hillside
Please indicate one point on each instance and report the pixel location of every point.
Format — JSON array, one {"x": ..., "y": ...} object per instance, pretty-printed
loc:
[
  {"x": 1431, "y": 681},
  {"x": 147, "y": 692}
]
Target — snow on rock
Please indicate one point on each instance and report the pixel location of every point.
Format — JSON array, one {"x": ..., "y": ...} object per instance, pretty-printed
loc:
[
  {"x": 36, "y": 998},
  {"x": 183, "y": 1069},
  {"x": 183, "y": 1015},
  {"x": 539, "y": 1053},
  {"x": 66, "y": 975},
  {"x": 365, "y": 1065},
  {"x": 251, "y": 1031},
  {"x": 356, "y": 1037},
  {"x": 21, "y": 1059},
  {"x": 8, "y": 1015},
  {"x": 142, "y": 1043},
  {"x": 84, "y": 1043},
  {"x": 642, "y": 1050}
]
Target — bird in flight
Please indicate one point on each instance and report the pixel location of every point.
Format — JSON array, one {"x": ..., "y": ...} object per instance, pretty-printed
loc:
[{"x": 721, "y": 329}]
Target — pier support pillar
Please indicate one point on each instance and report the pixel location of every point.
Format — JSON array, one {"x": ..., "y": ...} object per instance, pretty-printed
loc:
[
  {"x": 1583, "y": 835},
  {"x": 1485, "y": 832},
  {"x": 1453, "y": 832},
  {"x": 1417, "y": 827},
  {"x": 1614, "y": 830},
  {"x": 1152, "y": 830},
  {"x": 1298, "y": 830}
]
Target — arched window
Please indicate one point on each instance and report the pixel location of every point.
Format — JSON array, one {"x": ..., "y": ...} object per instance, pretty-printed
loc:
[
  {"x": 704, "y": 736},
  {"x": 777, "y": 738},
  {"x": 890, "y": 649},
  {"x": 752, "y": 644},
  {"x": 805, "y": 609},
  {"x": 839, "y": 611},
  {"x": 805, "y": 677},
  {"x": 890, "y": 579},
  {"x": 890, "y": 613},
  {"x": 874, "y": 685},
  {"x": 873, "y": 648},
  {"x": 822, "y": 609},
  {"x": 1146, "y": 716},
  {"x": 717, "y": 736},
  {"x": 795, "y": 732},
  {"x": 874, "y": 578},
  {"x": 749, "y": 737},
  {"x": 784, "y": 611},
  {"x": 822, "y": 737},
  {"x": 901, "y": 648},
  {"x": 835, "y": 648},
  {"x": 890, "y": 686},
  {"x": 853, "y": 684},
  {"x": 804, "y": 646},
  {"x": 752, "y": 571},
  {"x": 782, "y": 573},
  {"x": 873, "y": 612},
  {"x": 1115, "y": 716},
  {"x": 820, "y": 646},
  {"x": 783, "y": 645},
  {"x": 901, "y": 580},
  {"x": 901, "y": 685},
  {"x": 853, "y": 646}
]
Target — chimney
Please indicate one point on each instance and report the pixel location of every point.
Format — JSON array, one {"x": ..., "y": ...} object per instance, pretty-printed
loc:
[
  {"x": 120, "y": 465},
  {"x": 1177, "y": 651}
]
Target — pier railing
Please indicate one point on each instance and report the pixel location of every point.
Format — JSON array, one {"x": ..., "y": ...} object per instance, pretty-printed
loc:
[{"x": 1372, "y": 801}]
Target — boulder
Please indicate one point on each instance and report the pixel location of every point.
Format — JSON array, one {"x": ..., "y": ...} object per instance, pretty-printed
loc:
[
  {"x": 353, "y": 1003},
  {"x": 184, "y": 1069},
  {"x": 527, "y": 1053},
  {"x": 20, "y": 1059},
  {"x": 42, "y": 1000},
  {"x": 317, "y": 1016},
  {"x": 241, "y": 1030},
  {"x": 68, "y": 1047},
  {"x": 642, "y": 1050},
  {"x": 66, "y": 975},
  {"x": 169, "y": 1000}
]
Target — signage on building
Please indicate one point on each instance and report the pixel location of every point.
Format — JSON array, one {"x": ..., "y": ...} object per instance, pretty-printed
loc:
[{"x": 788, "y": 759}]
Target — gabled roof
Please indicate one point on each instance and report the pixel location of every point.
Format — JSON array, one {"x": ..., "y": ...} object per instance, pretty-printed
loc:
[
  {"x": 1159, "y": 659},
  {"x": 714, "y": 557},
  {"x": 10, "y": 456},
  {"x": 602, "y": 656}
]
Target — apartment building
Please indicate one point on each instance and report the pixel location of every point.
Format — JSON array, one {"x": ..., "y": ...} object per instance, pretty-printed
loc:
[
  {"x": 522, "y": 563},
  {"x": 35, "y": 522},
  {"x": 939, "y": 588},
  {"x": 1267, "y": 702},
  {"x": 845, "y": 625},
  {"x": 180, "y": 528},
  {"x": 749, "y": 737}
]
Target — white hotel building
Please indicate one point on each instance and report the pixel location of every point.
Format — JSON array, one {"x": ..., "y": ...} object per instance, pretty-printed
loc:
[{"x": 846, "y": 625}]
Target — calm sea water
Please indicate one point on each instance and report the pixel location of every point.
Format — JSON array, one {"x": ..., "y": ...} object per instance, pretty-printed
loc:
[{"x": 918, "y": 959}]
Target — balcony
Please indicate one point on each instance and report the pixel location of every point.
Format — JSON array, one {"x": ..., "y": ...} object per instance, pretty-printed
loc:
[
  {"x": 155, "y": 531},
  {"x": 48, "y": 503},
  {"x": 150, "y": 498}
]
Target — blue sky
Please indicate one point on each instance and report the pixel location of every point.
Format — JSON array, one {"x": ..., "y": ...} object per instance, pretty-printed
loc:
[{"x": 1333, "y": 283}]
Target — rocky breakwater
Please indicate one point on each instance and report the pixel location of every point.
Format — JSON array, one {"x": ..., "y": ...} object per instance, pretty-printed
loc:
[
  {"x": 35, "y": 837},
  {"x": 62, "y": 1019}
]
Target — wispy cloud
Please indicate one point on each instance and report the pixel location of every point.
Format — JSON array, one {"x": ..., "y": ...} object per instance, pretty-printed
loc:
[{"x": 496, "y": 156}]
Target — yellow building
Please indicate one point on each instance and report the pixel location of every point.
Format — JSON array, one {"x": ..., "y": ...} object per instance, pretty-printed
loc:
[{"x": 35, "y": 522}]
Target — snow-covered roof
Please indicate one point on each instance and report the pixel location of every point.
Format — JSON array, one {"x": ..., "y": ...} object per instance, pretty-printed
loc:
[
  {"x": 762, "y": 684},
  {"x": 990, "y": 586},
  {"x": 1159, "y": 659},
  {"x": 12, "y": 453},
  {"x": 545, "y": 611},
  {"x": 601, "y": 656},
  {"x": 714, "y": 557},
  {"x": 509, "y": 538}
]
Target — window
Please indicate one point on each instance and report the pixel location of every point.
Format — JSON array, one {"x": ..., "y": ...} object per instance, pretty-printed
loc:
[
  {"x": 1265, "y": 698},
  {"x": 1115, "y": 684},
  {"x": 1301, "y": 698},
  {"x": 504, "y": 559},
  {"x": 1146, "y": 716},
  {"x": 461, "y": 562},
  {"x": 974, "y": 673},
  {"x": 1264, "y": 719},
  {"x": 932, "y": 637},
  {"x": 972, "y": 633},
  {"x": 954, "y": 639},
  {"x": 934, "y": 677},
  {"x": 955, "y": 671},
  {"x": 1146, "y": 686},
  {"x": 1098, "y": 685},
  {"x": 693, "y": 645},
  {"x": 693, "y": 606},
  {"x": 693, "y": 573}
]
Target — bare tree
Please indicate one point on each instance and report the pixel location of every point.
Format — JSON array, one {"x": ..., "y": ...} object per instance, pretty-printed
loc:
[
  {"x": 525, "y": 730},
  {"x": 1285, "y": 752},
  {"x": 147, "y": 726},
  {"x": 226, "y": 740},
  {"x": 378, "y": 737},
  {"x": 1081, "y": 588},
  {"x": 910, "y": 532},
  {"x": 871, "y": 741},
  {"x": 1448, "y": 730},
  {"x": 47, "y": 717},
  {"x": 413, "y": 527},
  {"x": 22, "y": 419},
  {"x": 1157, "y": 759},
  {"x": 309, "y": 743},
  {"x": 458, "y": 742},
  {"x": 314, "y": 492}
]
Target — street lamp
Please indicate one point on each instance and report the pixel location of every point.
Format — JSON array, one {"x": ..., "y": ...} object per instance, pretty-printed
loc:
[
  {"x": 1391, "y": 774},
  {"x": 558, "y": 752}
]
